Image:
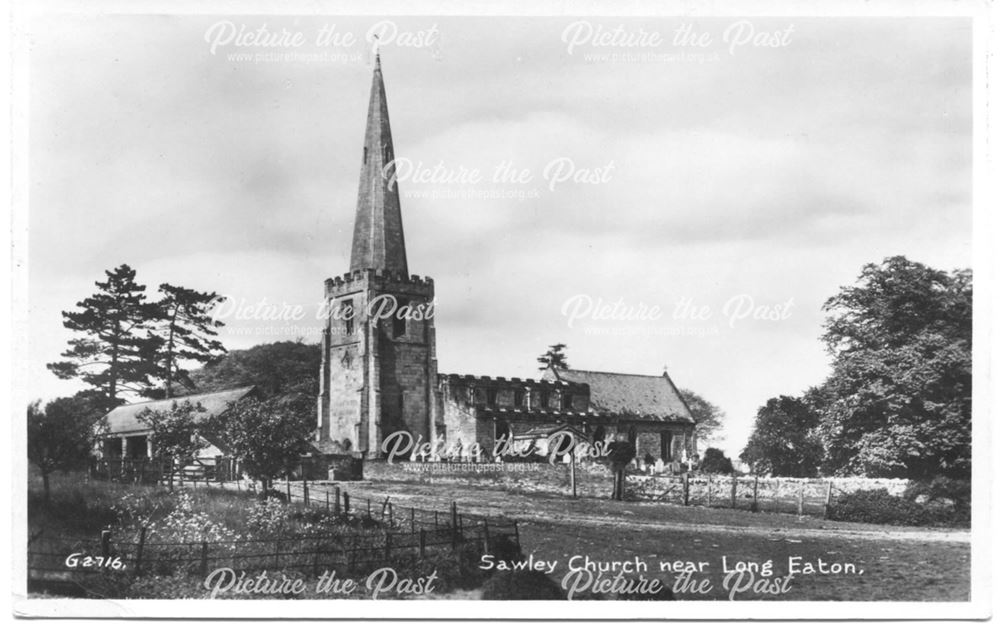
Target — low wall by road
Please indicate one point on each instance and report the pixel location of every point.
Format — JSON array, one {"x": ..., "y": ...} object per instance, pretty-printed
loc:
[{"x": 593, "y": 480}]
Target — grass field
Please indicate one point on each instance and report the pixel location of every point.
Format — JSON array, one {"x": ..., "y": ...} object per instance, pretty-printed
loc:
[{"x": 896, "y": 563}]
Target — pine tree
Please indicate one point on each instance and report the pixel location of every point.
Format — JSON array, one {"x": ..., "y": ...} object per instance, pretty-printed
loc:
[
  {"x": 186, "y": 332},
  {"x": 115, "y": 353},
  {"x": 553, "y": 358}
]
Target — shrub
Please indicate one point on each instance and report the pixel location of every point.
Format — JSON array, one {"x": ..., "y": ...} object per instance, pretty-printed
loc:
[
  {"x": 516, "y": 585},
  {"x": 267, "y": 518},
  {"x": 716, "y": 462},
  {"x": 878, "y": 506},
  {"x": 503, "y": 547},
  {"x": 949, "y": 499},
  {"x": 70, "y": 509},
  {"x": 957, "y": 491},
  {"x": 273, "y": 493}
]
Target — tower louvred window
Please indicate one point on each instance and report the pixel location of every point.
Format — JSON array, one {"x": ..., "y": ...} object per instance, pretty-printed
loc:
[{"x": 348, "y": 312}]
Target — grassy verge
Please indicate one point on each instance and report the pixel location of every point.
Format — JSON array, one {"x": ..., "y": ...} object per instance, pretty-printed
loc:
[{"x": 189, "y": 533}]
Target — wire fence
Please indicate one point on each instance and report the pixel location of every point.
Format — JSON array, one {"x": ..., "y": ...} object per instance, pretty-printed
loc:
[{"x": 370, "y": 532}]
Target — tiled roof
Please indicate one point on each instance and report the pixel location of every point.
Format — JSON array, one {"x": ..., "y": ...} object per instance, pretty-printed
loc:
[
  {"x": 123, "y": 419},
  {"x": 633, "y": 396}
]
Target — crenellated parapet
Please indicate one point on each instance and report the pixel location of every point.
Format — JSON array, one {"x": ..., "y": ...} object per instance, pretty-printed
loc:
[
  {"x": 386, "y": 281},
  {"x": 502, "y": 393}
]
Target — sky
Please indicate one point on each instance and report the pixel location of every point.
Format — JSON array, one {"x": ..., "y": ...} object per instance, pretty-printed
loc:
[{"x": 652, "y": 203}]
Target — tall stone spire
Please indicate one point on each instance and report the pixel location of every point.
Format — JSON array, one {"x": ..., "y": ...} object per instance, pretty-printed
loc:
[{"x": 378, "y": 225}]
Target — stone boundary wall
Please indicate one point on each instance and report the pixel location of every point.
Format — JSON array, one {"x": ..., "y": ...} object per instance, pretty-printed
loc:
[{"x": 593, "y": 480}]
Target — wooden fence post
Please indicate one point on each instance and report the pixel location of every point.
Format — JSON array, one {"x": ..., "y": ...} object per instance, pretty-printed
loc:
[
  {"x": 684, "y": 481},
  {"x": 733, "y": 491},
  {"x": 288, "y": 487},
  {"x": 336, "y": 499},
  {"x": 413, "y": 520},
  {"x": 709, "y": 502},
  {"x": 572, "y": 472},
  {"x": 369, "y": 508},
  {"x": 802, "y": 490},
  {"x": 390, "y": 514},
  {"x": 754, "y": 506},
  {"x": 305, "y": 492},
  {"x": 105, "y": 543},
  {"x": 423, "y": 542},
  {"x": 138, "y": 553},
  {"x": 328, "y": 500},
  {"x": 347, "y": 503},
  {"x": 829, "y": 494},
  {"x": 204, "y": 557}
]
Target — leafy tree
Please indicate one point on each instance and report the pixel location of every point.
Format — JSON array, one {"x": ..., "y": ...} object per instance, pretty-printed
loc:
[
  {"x": 898, "y": 402},
  {"x": 553, "y": 358},
  {"x": 707, "y": 416},
  {"x": 174, "y": 433},
  {"x": 276, "y": 368},
  {"x": 114, "y": 354},
  {"x": 716, "y": 462},
  {"x": 895, "y": 301},
  {"x": 268, "y": 436},
  {"x": 60, "y": 435},
  {"x": 186, "y": 332},
  {"x": 783, "y": 441}
]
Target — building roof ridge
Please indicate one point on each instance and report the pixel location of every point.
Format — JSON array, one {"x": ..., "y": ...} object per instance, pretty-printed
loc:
[{"x": 179, "y": 397}]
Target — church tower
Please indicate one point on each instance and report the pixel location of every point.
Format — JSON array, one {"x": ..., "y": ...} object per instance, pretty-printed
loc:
[{"x": 379, "y": 363}]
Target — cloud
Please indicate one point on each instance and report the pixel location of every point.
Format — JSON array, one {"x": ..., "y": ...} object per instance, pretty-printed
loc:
[{"x": 775, "y": 173}]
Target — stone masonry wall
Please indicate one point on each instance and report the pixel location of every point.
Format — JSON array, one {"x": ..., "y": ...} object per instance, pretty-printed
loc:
[{"x": 595, "y": 481}]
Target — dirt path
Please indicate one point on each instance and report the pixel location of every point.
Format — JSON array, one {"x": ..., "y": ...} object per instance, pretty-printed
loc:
[{"x": 648, "y": 516}]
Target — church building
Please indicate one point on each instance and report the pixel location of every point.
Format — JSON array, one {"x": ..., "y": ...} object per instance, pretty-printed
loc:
[{"x": 379, "y": 373}]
